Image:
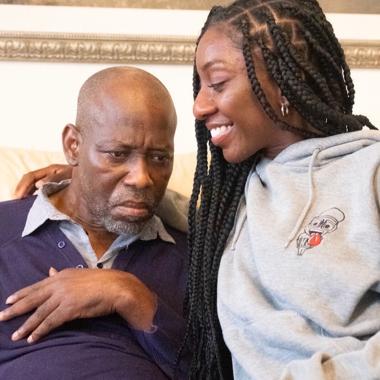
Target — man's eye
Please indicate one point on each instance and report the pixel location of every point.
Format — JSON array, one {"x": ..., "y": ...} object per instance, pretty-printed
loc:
[
  {"x": 117, "y": 154},
  {"x": 218, "y": 87},
  {"x": 159, "y": 158}
]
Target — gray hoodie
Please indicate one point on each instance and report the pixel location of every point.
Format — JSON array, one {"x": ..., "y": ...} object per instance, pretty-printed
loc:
[{"x": 299, "y": 282}]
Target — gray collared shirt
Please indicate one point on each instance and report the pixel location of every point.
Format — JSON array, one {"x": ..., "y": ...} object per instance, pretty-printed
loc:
[{"x": 43, "y": 210}]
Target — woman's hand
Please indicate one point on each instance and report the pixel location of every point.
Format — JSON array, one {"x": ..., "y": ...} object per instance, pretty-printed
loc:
[{"x": 35, "y": 179}]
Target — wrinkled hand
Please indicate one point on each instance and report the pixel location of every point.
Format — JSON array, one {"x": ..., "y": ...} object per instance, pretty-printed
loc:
[
  {"x": 80, "y": 293},
  {"x": 35, "y": 179}
]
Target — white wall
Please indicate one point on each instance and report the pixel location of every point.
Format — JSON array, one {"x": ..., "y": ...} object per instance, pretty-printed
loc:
[
  {"x": 38, "y": 99},
  {"x": 367, "y": 82}
]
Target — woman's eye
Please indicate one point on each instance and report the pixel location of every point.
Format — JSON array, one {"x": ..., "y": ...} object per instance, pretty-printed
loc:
[{"x": 218, "y": 87}]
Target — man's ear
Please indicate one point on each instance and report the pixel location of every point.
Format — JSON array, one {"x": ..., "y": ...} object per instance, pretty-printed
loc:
[{"x": 71, "y": 140}]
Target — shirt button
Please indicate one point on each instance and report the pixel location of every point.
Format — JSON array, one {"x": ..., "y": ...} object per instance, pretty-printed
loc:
[
  {"x": 61, "y": 244},
  {"x": 99, "y": 265},
  {"x": 79, "y": 266}
]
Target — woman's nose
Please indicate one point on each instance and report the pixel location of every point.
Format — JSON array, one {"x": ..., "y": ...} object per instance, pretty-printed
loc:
[{"x": 204, "y": 105}]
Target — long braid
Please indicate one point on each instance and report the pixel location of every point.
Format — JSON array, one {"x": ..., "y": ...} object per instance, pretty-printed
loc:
[
  {"x": 290, "y": 73},
  {"x": 346, "y": 69},
  {"x": 205, "y": 363},
  {"x": 317, "y": 25},
  {"x": 256, "y": 86},
  {"x": 290, "y": 78},
  {"x": 221, "y": 199},
  {"x": 308, "y": 65}
]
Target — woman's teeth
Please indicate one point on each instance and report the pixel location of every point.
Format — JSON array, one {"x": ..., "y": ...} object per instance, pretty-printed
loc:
[{"x": 220, "y": 130}]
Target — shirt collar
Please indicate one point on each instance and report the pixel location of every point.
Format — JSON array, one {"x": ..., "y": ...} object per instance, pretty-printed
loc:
[
  {"x": 43, "y": 210},
  {"x": 155, "y": 228}
]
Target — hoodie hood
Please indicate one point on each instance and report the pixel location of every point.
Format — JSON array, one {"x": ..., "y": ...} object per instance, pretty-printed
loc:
[{"x": 330, "y": 148}]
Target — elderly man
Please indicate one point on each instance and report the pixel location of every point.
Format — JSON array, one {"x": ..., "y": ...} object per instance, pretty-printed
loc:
[{"x": 91, "y": 280}]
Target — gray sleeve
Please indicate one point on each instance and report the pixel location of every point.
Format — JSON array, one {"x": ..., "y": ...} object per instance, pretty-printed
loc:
[{"x": 362, "y": 364}]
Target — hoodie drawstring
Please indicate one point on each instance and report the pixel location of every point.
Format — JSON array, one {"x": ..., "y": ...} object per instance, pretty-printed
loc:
[{"x": 306, "y": 209}]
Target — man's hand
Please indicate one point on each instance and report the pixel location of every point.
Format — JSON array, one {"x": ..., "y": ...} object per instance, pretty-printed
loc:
[
  {"x": 35, "y": 179},
  {"x": 80, "y": 293}
]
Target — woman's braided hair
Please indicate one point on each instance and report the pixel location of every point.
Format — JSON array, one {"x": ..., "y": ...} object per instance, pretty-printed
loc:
[{"x": 303, "y": 56}]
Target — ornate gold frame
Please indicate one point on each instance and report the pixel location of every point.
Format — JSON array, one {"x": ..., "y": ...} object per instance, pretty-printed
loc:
[
  {"x": 93, "y": 48},
  {"x": 340, "y": 6},
  {"x": 120, "y": 49}
]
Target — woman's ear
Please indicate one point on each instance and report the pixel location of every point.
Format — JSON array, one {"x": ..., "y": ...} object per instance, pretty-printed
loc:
[{"x": 71, "y": 140}]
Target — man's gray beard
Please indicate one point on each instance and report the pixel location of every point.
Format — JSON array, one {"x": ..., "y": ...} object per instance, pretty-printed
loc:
[
  {"x": 120, "y": 227},
  {"x": 103, "y": 217}
]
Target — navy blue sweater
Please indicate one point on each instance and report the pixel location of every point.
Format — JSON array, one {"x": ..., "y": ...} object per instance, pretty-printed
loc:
[{"x": 103, "y": 348}]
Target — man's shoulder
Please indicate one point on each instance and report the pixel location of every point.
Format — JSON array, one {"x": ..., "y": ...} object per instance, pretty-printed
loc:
[
  {"x": 16, "y": 207},
  {"x": 13, "y": 215},
  {"x": 180, "y": 248},
  {"x": 179, "y": 236},
  {"x": 172, "y": 242}
]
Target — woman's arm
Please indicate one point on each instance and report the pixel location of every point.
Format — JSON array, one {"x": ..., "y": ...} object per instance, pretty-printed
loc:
[{"x": 35, "y": 179}]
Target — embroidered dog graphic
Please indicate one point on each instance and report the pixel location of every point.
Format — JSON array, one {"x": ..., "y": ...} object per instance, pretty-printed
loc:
[{"x": 319, "y": 226}]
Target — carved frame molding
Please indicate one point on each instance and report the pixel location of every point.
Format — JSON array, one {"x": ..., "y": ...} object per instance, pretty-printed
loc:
[
  {"x": 129, "y": 49},
  {"x": 337, "y": 6}
]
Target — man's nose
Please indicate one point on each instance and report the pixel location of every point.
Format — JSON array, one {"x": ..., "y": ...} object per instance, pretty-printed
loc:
[
  {"x": 138, "y": 174},
  {"x": 204, "y": 105}
]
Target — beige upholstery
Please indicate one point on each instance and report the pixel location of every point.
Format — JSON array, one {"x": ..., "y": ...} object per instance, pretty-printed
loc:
[{"x": 16, "y": 162}]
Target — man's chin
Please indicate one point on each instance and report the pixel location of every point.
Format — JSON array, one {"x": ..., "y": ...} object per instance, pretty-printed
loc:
[
  {"x": 134, "y": 219},
  {"x": 122, "y": 228},
  {"x": 126, "y": 226}
]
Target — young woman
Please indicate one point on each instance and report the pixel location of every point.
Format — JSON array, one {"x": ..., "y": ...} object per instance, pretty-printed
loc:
[
  {"x": 284, "y": 216},
  {"x": 284, "y": 272}
]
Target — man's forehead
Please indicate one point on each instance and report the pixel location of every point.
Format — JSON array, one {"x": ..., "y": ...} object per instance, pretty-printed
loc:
[
  {"x": 133, "y": 131},
  {"x": 132, "y": 109},
  {"x": 133, "y": 144},
  {"x": 144, "y": 121}
]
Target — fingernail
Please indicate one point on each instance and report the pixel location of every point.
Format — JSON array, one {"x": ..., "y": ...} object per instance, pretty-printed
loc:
[
  {"x": 15, "y": 335},
  {"x": 30, "y": 339},
  {"x": 10, "y": 300}
]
